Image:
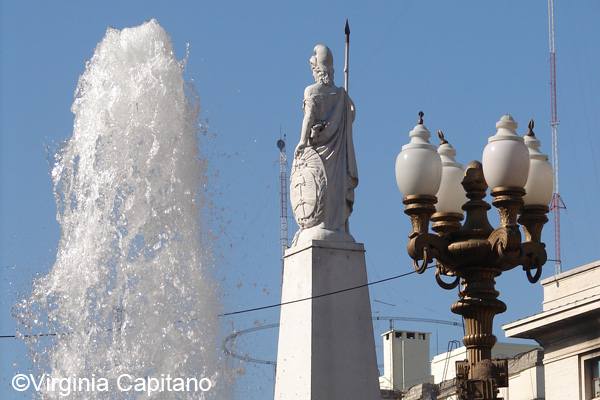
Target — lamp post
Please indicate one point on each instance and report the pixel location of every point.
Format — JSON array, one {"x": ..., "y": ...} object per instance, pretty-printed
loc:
[{"x": 474, "y": 253}]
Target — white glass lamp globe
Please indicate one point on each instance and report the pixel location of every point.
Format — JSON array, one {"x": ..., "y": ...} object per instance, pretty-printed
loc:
[
  {"x": 505, "y": 158},
  {"x": 540, "y": 182},
  {"x": 451, "y": 195},
  {"x": 418, "y": 166}
]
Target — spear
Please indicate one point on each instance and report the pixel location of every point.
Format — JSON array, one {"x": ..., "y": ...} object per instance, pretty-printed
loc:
[{"x": 347, "y": 30}]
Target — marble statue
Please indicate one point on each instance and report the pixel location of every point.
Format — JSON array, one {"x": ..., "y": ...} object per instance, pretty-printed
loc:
[{"x": 324, "y": 172}]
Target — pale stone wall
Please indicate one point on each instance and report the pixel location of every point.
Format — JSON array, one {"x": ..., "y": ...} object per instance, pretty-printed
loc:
[
  {"x": 562, "y": 378},
  {"x": 571, "y": 286},
  {"x": 326, "y": 346},
  {"x": 525, "y": 377},
  {"x": 569, "y": 330}
]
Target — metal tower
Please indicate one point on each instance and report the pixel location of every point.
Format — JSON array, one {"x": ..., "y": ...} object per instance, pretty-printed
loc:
[
  {"x": 557, "y": 203},
  {"x": 283, "y": 196}
]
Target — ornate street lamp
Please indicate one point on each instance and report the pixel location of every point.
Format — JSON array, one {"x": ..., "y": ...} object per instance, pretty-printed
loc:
[{"x": 475, "y": 253}]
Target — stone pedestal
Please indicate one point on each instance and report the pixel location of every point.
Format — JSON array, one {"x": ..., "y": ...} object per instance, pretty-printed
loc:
[{"x": 326, "y": 346}]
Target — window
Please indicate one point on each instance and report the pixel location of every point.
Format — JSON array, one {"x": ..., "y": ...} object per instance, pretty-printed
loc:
[
  {"x": 410, "y": 335},
  {"x": 591, "y": 375},
  {"x": 595, "y": 377}
]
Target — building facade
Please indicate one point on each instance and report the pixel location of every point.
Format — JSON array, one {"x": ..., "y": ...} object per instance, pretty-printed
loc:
[
  {"x": 409, "y": 375},
  {"x": 568, "y": 328},
  {"x": 525, "y": 371}
]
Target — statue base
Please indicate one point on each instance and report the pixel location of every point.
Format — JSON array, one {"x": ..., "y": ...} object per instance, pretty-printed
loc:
[
  {"x": 321, "y": 234},
  {"x": 326, "y": 344}
]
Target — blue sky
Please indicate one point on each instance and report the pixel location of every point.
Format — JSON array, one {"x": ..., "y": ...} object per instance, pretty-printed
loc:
[{"x": 463, "y": 63}]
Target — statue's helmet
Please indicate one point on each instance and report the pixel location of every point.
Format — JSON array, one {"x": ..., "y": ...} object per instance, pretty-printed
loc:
[
  {"x": 323, "y": 57},
  {"x": 322, "y": 64}
]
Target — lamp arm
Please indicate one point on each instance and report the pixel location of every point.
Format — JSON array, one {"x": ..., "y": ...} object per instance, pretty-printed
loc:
[
  {"x": 425, "y": 247},
  {"x": 442, "y": 270},
  {"x": 505, "y": 242},
  {"x": 533, "y": 251},
  {"x": 509, "y": 253},
  {"x": 533, "y": 257}
]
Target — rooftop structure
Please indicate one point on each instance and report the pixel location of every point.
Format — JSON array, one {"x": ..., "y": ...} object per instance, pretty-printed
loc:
[
  {"x": 569, "y": 330},
  {"x": 405, "y": 359}
]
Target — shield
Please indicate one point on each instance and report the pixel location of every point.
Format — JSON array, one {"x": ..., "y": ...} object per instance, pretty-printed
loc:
[{"x": 308, "y": 183}]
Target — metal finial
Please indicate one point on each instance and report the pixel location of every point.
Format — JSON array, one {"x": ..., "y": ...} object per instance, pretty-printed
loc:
[
  {"x": 420, "y": 122},
  {"x": 347, "y": 62},
  {"x": 442, "y": 140},
  {"x": 530, "y": 132}
]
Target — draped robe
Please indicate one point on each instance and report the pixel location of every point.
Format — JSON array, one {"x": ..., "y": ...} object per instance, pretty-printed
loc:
[{"x": 330, "y": 108}]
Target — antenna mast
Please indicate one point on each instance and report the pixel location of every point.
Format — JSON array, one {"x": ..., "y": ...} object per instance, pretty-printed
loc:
[
  {"x": 557, "y": 203},
  {"x": 283, "y": 195}
]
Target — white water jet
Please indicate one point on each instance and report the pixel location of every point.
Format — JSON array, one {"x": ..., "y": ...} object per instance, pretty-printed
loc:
[{"x": 130, "y": 292}]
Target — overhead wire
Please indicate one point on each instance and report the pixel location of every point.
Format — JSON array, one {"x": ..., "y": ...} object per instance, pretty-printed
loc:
[
  {"x": 376, "y": 270},
  {"x": 268, "y": 306},
  {"x": 319, "y": 295}
]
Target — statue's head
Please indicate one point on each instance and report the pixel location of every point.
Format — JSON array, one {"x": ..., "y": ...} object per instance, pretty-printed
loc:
[{"x": 322, "y": 65}]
